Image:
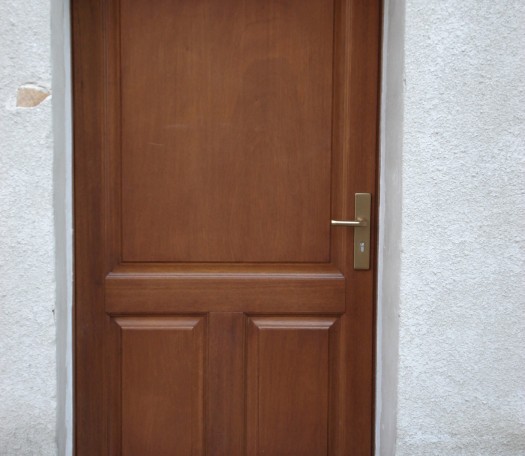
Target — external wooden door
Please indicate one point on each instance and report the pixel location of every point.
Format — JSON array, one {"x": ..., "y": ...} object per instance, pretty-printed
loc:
[{"x": 217, "y": 311}]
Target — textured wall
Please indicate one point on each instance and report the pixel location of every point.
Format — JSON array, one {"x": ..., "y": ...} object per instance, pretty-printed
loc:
[
  {"x": 27, "y": 287},
  {"x": 462, "y": 302}
]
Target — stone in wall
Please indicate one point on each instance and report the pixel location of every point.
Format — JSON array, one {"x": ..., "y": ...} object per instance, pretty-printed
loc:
[{"x": 31, "y": 95}]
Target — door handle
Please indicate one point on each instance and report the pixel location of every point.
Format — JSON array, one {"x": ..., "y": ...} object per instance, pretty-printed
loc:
[
  {"x": 363, "y": 204},
  {"x": 350, "y": 222}
]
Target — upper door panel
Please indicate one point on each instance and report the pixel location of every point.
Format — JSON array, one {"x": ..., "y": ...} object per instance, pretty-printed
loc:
[{"x": 226, "y": 117}]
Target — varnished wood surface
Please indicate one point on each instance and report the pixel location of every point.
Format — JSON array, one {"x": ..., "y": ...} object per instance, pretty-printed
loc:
[
  {"x": 288, "y": 377},
  {"x": 90, "y": 320},
  {"x": 356, "y": 107},
  {"x": 197, "y": 295},
  {"x": 162, "y": 385},
  {"x": 233, "y": 140},
  {"x": 260, "y": 288},
  {"x": 207, "y": 276},
  {"x": 226, "y": 379}
]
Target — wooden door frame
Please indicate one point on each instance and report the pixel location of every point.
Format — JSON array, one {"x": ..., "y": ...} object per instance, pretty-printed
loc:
[{"x": 91, "y": 64}]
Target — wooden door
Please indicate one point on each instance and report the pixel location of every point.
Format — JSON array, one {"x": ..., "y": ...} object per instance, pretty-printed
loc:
[{"x": 217, "y": 311}]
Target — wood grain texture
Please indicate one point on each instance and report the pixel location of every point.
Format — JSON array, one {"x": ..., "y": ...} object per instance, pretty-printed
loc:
[
  {"x": 357, "y": 70},
  {"x": 89, "y": 43},
  {"x": 226, "y": 380},
  {"x": 245, "y": 291},
  {"x": 234, "y": 138},
  {"x": 162, "y": 385},
  {"x": 288, "y": 379}
]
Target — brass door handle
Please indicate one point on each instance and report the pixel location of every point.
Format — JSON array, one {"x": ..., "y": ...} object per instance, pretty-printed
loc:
[{"x": 363, "y": 205}]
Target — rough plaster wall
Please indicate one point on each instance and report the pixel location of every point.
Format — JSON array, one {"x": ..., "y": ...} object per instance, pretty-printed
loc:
[
  {"x": 27, "y": 287},
  {"x": 462, "y": 306}
]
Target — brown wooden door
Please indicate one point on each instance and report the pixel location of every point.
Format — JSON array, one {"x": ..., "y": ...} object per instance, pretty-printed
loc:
[{"x": 217, "y": 311}]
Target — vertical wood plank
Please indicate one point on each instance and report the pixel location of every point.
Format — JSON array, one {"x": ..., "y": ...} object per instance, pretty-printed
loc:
[
  {"x": 225, "y": 390},
  {"x": 355, "y": 152},
  {"x": 90, "y": 266},
  {"x": 362, "y": 29}
]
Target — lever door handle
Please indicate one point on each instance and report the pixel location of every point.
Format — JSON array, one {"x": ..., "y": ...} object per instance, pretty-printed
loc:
[
  {"x": 358, "y": 222},
  {"x": 361, "y": 223}
]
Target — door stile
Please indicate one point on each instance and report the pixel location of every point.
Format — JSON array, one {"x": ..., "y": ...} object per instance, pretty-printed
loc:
[
  {"x": 226, "y": 407},
  {"x": 355, "y": 149},
  {"x": 90, "y": 325},
  {"x": 111, "y": 175}
]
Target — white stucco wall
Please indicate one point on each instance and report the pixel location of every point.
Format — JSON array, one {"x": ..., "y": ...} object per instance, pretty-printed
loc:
[
  {"x": 461, "y": 384},
  {"x": 27, "y": 278}
]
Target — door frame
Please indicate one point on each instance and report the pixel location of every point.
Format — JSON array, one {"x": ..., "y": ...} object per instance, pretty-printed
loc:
[{"x": 79, "y": 120}]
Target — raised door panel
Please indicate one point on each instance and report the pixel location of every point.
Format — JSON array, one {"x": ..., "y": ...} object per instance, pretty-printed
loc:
[
  {"x": 290, "y": 378},
  {"x": 159, "y": 400},
  {"x": 226, "y": 117}
]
